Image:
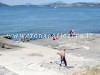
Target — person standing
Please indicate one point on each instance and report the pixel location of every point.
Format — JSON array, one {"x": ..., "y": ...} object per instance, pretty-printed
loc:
[{"x": 62, "y": 55}]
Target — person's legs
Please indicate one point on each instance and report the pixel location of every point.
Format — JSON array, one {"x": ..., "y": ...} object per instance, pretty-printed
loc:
[
  {"x": 61, "y": 60},
  {"x": 64, "y": 61}
]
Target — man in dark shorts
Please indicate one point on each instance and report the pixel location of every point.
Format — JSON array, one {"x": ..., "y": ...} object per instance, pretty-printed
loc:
[{"x": 62, "y": 54}]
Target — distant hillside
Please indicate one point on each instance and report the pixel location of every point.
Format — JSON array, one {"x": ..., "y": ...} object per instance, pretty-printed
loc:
[
  {"x": 86, "y": 4},
  {"x": 2, "y": 4},
  {"x": 26, "y": 5},
  {"x": 59, "y": 4}
]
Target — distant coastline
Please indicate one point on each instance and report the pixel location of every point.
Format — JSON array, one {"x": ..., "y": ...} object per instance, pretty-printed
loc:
[
  {"x": 2, "y": 4},
  {"x": 58, "y": 4}
]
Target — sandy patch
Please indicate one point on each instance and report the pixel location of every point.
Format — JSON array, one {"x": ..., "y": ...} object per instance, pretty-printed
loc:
[{"x": 35, "y": 54}]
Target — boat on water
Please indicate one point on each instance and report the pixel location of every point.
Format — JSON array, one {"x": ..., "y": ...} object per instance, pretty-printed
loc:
[{"x": 55, "y": 7}]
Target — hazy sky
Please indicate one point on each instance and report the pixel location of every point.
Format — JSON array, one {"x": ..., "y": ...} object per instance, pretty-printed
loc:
[{"x": 18, "y": 2}]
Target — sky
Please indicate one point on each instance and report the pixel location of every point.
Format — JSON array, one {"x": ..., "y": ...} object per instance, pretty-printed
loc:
[{"x": 36, "y": 2}]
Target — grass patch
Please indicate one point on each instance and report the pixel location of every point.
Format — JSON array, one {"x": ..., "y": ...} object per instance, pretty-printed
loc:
[
  {"x": 90, "y": 70},
  {"x": 93, "y": 70}
]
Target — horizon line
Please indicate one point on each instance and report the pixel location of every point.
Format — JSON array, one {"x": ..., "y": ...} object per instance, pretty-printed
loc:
[{"x": 49, "y": 3}]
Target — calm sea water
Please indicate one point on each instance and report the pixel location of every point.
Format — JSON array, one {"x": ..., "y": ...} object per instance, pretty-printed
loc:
[{"x": 49, "y": 19}]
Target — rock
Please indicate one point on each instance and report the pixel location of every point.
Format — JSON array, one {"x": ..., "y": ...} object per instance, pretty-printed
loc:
[
  {"x": 51, "y": 62},
  {"x": 7, "y": 47},
  {"x": 8, "y": 37},
  {"x": 3, "y": 46}
]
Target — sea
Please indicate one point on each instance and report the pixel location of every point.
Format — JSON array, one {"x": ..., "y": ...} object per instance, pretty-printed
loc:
[{"x": 48, "y": 20}]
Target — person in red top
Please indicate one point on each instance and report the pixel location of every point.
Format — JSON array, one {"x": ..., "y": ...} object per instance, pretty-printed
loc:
[{"x": 54, "y": 37}]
